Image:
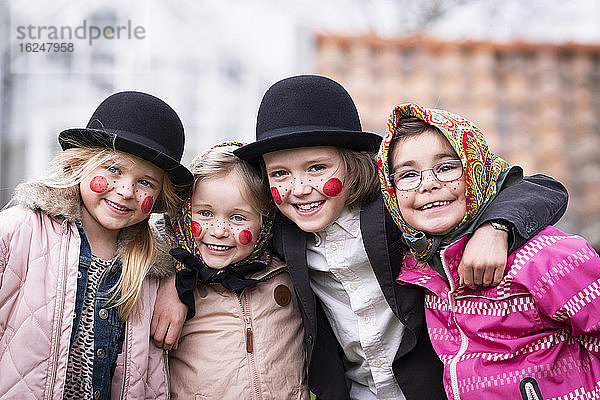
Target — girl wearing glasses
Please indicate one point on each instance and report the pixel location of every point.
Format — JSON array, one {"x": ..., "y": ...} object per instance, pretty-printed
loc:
[{"x": 537, "y": 332}]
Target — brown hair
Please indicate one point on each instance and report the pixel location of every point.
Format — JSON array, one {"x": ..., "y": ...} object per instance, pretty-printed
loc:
[
  {"x": 362, "y": 179},
  {"x": 411, "y": 126}
]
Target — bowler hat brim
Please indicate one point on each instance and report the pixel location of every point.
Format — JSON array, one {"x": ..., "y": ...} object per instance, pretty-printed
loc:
[
  {"x": 353, "y": 140},
  {"x": 127, "y": 142}
]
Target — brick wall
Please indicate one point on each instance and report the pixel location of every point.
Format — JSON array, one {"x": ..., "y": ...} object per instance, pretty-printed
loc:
[{"x": 538, "y": 104}]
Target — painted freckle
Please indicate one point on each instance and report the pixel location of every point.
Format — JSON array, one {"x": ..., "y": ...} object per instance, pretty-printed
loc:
[
  {"x": 196, "y": 229},
  {"x": 147, "y": 204},
  {"x": 245, "y": 237},
  {"x": 98, "y": 184}
]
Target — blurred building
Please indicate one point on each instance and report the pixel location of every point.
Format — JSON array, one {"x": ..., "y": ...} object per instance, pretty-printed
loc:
[
  {"x": 196, "y": 57},
  {"x": 537, "y": 103}
]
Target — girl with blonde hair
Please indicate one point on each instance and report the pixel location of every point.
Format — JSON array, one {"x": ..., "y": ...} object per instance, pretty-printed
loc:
[{"x": 80, "y": 264}]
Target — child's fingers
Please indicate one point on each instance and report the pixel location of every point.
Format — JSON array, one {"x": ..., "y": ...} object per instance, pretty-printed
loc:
[
  {"x": 488, "y": 275},
  {"x": 466, "y": 275},
  {"x": 167, "y": 341},
  {"x": 498, "y": 274},
  {"x": 159, "y": 334},
  {"x": 477, "y": 276},
  {"x": 153, "y": 324},
  {"x": 172, "y": 337}
]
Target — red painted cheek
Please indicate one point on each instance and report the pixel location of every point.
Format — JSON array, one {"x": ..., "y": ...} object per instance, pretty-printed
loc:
[
  {"x": 196, "y": 229},
  {"x": 98, "y": 184},
  {"x": 276, "y": 195},
  {"x": 245, "y": 237},
  {"x": 332, "y": 187},
  {"x": 147, "y": 204}
]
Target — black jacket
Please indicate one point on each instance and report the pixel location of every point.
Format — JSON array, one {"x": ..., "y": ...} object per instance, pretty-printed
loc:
[{"x": 529, "y": 206}]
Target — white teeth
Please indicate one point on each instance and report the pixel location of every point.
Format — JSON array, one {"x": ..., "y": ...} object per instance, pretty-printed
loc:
[
  {"x": 434, "y": 204},
  {"x": 218, "y": 248},
  {"x": 116, "y": 206},
  {"x": 308, "y": 207}
]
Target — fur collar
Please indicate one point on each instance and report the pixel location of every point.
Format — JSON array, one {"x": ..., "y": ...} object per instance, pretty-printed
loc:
[{"x": 66, "y": 204}]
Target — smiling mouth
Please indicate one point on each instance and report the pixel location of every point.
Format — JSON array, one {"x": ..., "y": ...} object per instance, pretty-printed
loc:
[
  {"x": 215, "y": 247},
  {"x": 116, "y": 206},
  {"x": 434, "y": 205},
  {"x": 309, "y": 206}
]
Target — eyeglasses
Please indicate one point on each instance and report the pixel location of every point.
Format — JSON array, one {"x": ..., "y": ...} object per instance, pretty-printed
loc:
[{"x": 409, "y": 179}]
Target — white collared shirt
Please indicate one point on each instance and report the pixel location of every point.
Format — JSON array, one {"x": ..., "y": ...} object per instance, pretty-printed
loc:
[{"x": 365, "y": 326}]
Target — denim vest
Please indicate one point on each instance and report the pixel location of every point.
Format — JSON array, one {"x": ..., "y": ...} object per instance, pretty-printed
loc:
[{"x": 109, "y": 330}]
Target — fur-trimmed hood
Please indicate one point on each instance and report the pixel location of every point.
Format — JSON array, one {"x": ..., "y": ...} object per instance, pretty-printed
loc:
[{"x": 65, "y": 203}]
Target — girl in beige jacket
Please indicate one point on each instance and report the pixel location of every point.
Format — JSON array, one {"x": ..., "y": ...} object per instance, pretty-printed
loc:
[{"x": 244, "y": 337}]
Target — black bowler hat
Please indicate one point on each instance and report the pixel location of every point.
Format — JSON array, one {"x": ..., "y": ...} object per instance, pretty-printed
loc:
[
  {"x": 139, "y": 124},
  {"x": 304, "y": 111}
]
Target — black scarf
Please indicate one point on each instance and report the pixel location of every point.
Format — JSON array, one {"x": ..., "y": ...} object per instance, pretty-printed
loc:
[{"x": 231, "y": 277}]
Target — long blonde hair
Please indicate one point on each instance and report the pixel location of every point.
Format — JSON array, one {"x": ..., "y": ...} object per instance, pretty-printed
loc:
[{"x": 66, "y": 172}]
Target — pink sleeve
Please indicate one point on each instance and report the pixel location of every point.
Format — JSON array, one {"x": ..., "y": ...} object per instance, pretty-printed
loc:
[{"x": 567, "y": 287}]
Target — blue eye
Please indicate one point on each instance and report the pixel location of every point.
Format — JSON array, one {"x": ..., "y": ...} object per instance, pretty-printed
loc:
[
  {"x": 238, "y": 218},
  {"x": 113, "y": 170},
  {"x": 204, "y": 213},
  {"x": 144, "y": 182}
]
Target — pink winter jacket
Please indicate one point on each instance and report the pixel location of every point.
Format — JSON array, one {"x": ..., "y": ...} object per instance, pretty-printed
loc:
[
  {"x": 39, "y": 256},
  {"x": 542, "y": 321}
]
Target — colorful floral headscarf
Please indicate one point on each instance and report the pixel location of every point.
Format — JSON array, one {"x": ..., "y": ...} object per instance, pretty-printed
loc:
[{"x": 483, "y": 170}]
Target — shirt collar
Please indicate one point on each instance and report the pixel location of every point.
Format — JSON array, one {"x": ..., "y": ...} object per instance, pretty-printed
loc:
[{"x": 349, "y": 221}]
